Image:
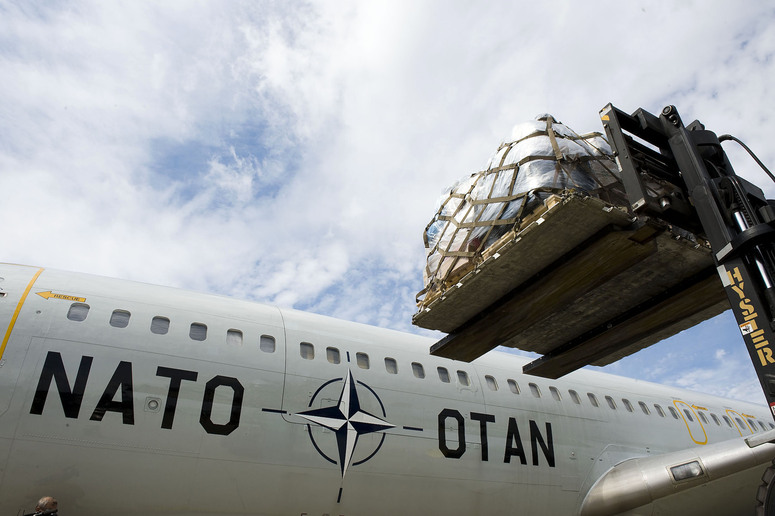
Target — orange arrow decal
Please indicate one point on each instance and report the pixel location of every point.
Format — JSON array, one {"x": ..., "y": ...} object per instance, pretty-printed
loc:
[{"x": 48, "y": 295}]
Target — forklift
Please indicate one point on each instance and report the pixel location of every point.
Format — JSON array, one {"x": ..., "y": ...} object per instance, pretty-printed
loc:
[{"x": 732, "y": 213}]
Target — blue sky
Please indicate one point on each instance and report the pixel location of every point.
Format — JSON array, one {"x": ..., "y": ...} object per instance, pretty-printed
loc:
[{"x": 292, "y": 152}]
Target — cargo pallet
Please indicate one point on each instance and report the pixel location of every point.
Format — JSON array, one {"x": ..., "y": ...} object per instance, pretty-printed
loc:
[{"x": 589, "y": 282}]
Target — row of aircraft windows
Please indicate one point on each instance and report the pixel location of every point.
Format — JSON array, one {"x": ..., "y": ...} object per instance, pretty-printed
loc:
[
  {"x": 593, "y": 400},
  {"x": 198, "y": 332},
  {"x": 333, "y": 355},
  {"x": 161, "y": 325}
]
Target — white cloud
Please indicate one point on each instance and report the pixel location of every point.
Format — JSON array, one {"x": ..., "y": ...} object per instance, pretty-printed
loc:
[
  {"x": 292, "y": 152},
  {"x": 234, "y": 181}
]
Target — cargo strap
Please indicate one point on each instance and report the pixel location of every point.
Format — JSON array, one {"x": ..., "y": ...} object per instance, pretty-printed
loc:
[{"x": 553, "y": 139}]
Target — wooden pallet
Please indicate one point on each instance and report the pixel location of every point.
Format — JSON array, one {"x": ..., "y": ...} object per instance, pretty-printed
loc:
[
  {"x": 544, "y": 237},
  {"x": 583, "y": 284}
]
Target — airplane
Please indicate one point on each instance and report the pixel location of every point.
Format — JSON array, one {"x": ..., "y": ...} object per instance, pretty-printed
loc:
[{"x": 133, "y": 399}]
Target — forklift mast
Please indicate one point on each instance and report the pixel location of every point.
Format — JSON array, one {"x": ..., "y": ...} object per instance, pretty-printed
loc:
[{"x": 706, "y": 197}]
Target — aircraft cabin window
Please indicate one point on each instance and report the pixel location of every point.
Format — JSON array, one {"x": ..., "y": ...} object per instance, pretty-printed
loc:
[
  {"x": 627, "y": 404},
  {"x": 728, "y": 421},
  {"x": 119, "y": 318},
  {"x": 462, "y": 377},
  {"x": 715, "y": 419},
  {"x": 78, "y": 312},
  {"x": 659, "y": 410},
  {"x": 491, "y": 383},
  {"x": 198, "y": 331},
  {"x": 611, "y": 402},
  {"x": 418, "y": 370},
  {"x": 391, "y": 366},
  {"x": 267, "y": 344},
  {"x": 535, "y": 390},
  {"x": 689, "y": 415},
  {"x": 702, "y": 416},
  {"x": 513, "y": 387},
  {"x": 772, "y": 426},
  {"x": 574, "y": 396},
  {"x": 593, "y": 399},
  {"x": 740, "y": 422},
  {"x": 555, "y": 393},
  {"x": 752, "y": 424},
  {"x": 674, "y": 413},
  {"x": 234, "y": 337},
  {"x": 160, "y": 325},
  {"x": 332, "y": 355},
  {"x": 762, "y": 425},
  {"x": 363, "y": 360},
  {"x": 307, "y": 351},
  {"x": 443, "y": 374},
  {"x": 645, "y": 409}
]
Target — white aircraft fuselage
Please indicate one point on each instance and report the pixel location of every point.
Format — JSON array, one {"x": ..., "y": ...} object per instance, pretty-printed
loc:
[{"x": 132, "y": 399}]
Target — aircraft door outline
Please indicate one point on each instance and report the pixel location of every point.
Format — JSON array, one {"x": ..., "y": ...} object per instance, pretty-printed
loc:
[
  {"x": 691, "y": 426},
  {"x": 735, "y": 416},
  {"x": 16, "y": 285}
]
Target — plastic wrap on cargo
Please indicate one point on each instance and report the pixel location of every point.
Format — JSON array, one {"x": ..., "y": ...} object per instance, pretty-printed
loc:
[{"x": 544, "y": 157}]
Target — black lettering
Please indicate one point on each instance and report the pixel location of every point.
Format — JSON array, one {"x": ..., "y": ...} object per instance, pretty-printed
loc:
[
  {"x": 461, "y": 434},
  {"x": 536, "y": 439},
  {"x": 176, "y": 376},
  {"x": 512, "y": 436},
  {"x": 205, "y": 417},
  {"x": 122, "y": 378},
  {"x": 71, "y": 399},
  {"x": 483, "y": 420}
]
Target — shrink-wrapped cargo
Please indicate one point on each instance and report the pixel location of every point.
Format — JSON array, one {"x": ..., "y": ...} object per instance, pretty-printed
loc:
[
  {"x": 542, "y": 158},
  {"x": 543, "y": 251}
]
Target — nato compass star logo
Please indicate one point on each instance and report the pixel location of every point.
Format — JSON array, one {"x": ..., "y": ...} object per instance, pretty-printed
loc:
[{"x": 347, "y": 420}]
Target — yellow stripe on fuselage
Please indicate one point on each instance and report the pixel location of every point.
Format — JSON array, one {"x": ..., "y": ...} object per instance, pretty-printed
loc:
[{"x": 17, "y": 311}]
